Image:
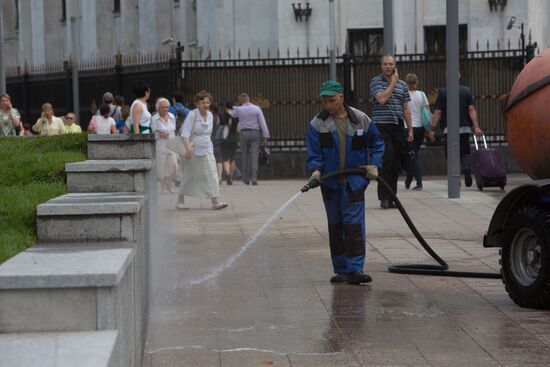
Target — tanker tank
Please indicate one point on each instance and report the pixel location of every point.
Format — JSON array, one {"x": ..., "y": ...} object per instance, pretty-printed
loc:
[{"x": 527, "y": 113}]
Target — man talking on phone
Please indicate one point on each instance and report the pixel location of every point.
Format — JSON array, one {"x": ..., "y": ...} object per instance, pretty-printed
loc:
[{"x": 391, "y": 113}]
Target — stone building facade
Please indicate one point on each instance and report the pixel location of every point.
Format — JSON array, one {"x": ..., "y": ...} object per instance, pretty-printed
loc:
[{"x": 39, "y": 32}]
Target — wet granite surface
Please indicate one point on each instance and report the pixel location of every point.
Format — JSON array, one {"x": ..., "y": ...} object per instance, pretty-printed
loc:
[{"x": 274, "y": 306}]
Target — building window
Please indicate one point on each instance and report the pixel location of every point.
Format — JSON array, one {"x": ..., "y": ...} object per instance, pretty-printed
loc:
[
  {"x": 63, "y": 10},
  {"x": 435, "y": 40},
  {"x": 366, "y": 42},
  {"x": 116, "y": 6}
]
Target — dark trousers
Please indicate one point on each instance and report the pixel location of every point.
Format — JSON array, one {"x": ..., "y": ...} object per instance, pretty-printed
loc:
[
  {"x": 346, "y": 227},
  {"x": 418, "y": 133},
  {"x": 394, "y": 143},
  {"x": 465, "y": 152}
]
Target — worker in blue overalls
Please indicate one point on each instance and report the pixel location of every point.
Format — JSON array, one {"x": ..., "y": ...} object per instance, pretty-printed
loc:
[{"x": 342, "y": 137}]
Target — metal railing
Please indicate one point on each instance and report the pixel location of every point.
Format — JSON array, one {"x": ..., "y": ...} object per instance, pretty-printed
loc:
[{"x": 286, "y": 88}]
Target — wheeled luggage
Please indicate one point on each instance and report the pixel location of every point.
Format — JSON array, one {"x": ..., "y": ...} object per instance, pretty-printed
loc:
[{"x": 488, "y": 166}]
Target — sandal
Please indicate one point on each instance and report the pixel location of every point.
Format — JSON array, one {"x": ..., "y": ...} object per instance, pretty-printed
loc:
[{"x": 219, "y": 206}]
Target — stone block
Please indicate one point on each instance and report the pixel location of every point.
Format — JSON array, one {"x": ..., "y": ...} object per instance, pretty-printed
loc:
[
  {"x": 121, "y": 146},
  {"x": 49, "y": 290},
  {"x": 68, "y": 349},
  {"x": 91, "y": 217},
  {"x": 107, "y": 175}
]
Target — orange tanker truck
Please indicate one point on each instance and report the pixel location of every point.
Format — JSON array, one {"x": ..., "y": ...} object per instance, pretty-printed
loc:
[{"x": 520, "y": 225}]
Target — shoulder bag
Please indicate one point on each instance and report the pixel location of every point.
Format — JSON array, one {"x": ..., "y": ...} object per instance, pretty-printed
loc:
[
  {"x": 176, "y": 145},
  {"x": 425, "y": 114}
]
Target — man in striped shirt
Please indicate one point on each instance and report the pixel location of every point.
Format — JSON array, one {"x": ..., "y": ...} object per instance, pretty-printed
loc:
[{"x": 390, "y": 97}]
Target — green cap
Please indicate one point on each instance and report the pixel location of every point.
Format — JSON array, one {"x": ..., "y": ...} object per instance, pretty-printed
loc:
[{"x": 331, "y": 88}]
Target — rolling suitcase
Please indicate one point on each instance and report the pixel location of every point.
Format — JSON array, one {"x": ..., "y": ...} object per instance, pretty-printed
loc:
[{"x": 488, "y": 166}]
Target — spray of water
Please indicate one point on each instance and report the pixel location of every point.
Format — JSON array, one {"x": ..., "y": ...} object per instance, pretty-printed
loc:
[{"x": 217, "y": 271}]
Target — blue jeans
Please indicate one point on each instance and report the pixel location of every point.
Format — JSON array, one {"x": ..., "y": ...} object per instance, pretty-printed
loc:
[{"x": 418, "y": 135}]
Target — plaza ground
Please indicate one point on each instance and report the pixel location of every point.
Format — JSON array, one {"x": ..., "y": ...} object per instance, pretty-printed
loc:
[{"x": 274, "y": 306}]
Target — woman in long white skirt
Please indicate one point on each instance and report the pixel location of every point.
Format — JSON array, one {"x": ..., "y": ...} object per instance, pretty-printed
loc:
[
  {"x": 199, "y": 176},
  {"x": 163, "y": 124}
]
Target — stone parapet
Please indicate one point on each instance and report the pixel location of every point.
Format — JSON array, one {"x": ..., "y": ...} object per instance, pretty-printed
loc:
[
  {"x": 108, "y": 175},
  {"x": 66, "y": 291},
  {"x": 68, "y": 349},
  {"x": 121, "y": 146}
]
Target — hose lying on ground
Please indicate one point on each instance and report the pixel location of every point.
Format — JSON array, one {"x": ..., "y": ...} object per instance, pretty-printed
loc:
[{"x": 421, "y": 269}]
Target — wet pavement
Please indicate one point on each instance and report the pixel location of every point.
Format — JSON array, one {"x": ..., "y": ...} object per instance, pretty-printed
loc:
[{"x": 274, "y": 305}]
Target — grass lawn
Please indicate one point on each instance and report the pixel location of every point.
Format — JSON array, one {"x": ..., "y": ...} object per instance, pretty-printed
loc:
[{"x": 31, "y": 172}]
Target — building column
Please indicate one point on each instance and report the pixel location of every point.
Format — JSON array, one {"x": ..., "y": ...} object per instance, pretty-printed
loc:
[
  {"x": 88, "y": 31},
  {"x": 147, "y": 26},
  {"x": 37, "y": 33}
]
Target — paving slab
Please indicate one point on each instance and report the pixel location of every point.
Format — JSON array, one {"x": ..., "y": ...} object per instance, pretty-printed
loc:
[{"x": 273, "y": 304}]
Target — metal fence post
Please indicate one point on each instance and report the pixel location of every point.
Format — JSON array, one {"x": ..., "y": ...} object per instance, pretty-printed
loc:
[
  {"x": 175, "y": 65},
  {"x": 26, "y": 97},
  {"x": 179, "y": 56},
  {"x": 118, "y": 72},
  {"x": 68, "y": 85},
  {"x": 348, "y": 92}
]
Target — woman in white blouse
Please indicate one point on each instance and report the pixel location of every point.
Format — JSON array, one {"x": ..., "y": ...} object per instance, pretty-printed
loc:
[
  {"x": 163, "y": 124},
  {"x": 105, "y": 124},
  {"x": 139, "y": 121},
  {"x": 199, "y": 176}
]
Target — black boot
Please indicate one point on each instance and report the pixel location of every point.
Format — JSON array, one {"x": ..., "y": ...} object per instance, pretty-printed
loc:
[{"x": 358, "y": 277}]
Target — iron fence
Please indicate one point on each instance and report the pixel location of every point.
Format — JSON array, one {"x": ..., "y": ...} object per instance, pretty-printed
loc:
[{"x": 285, "y": 88}]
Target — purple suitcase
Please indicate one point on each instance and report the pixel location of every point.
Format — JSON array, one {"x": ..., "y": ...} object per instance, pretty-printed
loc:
[{"x": 488, "y": 166}]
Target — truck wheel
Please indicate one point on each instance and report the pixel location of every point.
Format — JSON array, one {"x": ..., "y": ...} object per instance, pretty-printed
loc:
[{"x": 525, "y": 258}]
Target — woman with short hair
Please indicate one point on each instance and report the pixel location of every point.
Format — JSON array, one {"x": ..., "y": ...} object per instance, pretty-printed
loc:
[
  {"x": 163, "y": 124},
  {"x": 140, "y": 117},
  {"x": 10, "y": 119},
  {"x": 48, "y": 124},
  {"x": 199, "y": 176}
]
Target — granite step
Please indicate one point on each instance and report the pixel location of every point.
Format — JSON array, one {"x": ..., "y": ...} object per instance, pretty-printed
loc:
[
  {"x": 127, "y": 175},
  {"x": 140, "y": 146},
  {"x": 54, "y": 290},
  {"x": 91, "y": 217},
  {"x": 60, "y": 349}
]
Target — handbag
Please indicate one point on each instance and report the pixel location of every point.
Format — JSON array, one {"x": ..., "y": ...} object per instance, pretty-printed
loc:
[
  {"x": 425, "y": 114},
  {"x": 264, "y": 158},
  {"x": 176, "y": 145},
  {"x": 408, "y": 158}
]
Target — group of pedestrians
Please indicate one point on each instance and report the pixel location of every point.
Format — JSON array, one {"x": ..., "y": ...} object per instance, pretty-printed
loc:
[
  {"x": 210, "y": 139},
  {"x": 342, "y": 137}
]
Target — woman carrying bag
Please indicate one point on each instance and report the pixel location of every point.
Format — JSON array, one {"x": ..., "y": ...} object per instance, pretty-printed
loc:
[
  {"x": 199, "y": 175},
  {"x": 416, "y": 105}
]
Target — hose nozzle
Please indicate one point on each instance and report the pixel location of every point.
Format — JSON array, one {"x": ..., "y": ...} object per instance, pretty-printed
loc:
[{"x": 313, "y": 183}]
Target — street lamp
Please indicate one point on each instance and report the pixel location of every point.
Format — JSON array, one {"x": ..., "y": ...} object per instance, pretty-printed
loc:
[{"x": 511, "y": 24}]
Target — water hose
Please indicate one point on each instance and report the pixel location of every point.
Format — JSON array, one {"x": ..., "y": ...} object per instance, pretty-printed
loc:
[{"x": 421, "y": 269}]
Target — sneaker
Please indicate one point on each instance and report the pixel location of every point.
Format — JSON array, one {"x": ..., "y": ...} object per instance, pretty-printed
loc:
[
  {"x": 467, "y": 178},
  {"x": 254, "y": 183},
  {"x": 358, "y": 277},
  {"x": 181, "y": 206},
  {"x": 385, "y": 204},
  {"x": 219, "y": 206},
  {"x": 229, "y": 181},
  {"x": 417, "y": 188},
  {"x": 339, "y": 278}
]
